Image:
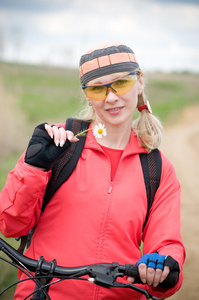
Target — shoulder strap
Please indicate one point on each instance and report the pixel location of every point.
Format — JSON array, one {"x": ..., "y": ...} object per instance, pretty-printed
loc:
[
  {"x": 151, "y": 167},
  {"x": 65, "y": 166},
  {"x": 61, "y": 171}
]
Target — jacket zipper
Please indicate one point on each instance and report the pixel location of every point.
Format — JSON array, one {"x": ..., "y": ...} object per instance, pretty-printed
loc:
[{"x": 110, "y": 187}]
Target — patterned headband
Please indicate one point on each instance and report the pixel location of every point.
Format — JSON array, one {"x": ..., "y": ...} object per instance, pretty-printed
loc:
[{"x": 105, "y": 61}]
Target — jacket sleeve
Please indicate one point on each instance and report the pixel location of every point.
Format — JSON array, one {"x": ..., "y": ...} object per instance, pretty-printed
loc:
[
  {"x": 21, "y": 199},
  {"x": 163, "y": 229}
]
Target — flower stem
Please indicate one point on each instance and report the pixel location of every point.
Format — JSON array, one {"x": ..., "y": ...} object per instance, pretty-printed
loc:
[{"x": 82, "y": 133}]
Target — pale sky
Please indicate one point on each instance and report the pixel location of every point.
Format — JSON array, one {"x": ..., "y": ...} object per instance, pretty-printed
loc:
[{"x": 164, "y": 34}]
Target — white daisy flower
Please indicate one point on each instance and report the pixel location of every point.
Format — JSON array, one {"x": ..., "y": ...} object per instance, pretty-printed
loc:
[{"x": 99, "y": 131}]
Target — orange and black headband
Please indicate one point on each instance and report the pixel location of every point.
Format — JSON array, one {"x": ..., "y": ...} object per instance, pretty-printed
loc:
[{"x": 105, "y": 61}]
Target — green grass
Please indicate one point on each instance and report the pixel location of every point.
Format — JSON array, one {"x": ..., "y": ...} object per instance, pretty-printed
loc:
[
  {"x": 53, "y": 94},
  {"x": 43, "y": 93},
  {"x": 6, "y": 165},
  {"x": 169, "y": 94}
]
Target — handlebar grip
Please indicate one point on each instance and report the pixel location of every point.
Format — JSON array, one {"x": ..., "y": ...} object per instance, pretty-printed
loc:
[
  {"x": 132, "y": 271},
  {"x": 170, "y": 281}
]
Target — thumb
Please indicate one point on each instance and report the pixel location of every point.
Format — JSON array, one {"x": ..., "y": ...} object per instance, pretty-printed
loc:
[
  {"x": 71, "y": 137},
  {"x": 130, "y": 279}
]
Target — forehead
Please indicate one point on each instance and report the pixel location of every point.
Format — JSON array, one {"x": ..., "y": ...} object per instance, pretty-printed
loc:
[{"x": 107, "y": 78}]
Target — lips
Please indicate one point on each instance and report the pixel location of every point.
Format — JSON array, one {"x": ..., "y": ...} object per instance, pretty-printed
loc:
[{"x": 114, "y": 109}]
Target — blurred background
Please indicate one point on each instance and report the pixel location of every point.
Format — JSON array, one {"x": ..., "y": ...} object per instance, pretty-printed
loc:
[
  {"x": 40, "y": 46},
  {"x": 163, "y": 33}
]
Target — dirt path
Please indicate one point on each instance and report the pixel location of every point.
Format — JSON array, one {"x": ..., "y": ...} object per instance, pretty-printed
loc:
[{"x": 181, "y": 146}]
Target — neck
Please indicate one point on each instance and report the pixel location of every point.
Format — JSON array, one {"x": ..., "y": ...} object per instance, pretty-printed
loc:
[{"x": 117, "y": 136}]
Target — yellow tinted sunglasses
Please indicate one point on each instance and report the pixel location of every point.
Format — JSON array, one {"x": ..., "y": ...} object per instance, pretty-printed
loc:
[{"x": 99, "y": 92}]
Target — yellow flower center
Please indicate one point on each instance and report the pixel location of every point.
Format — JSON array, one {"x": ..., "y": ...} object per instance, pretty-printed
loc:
[{"x": 100, "y": 130}]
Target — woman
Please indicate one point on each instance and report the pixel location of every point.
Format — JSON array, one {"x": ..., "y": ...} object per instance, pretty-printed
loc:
[{"x": 97, "y": 215}]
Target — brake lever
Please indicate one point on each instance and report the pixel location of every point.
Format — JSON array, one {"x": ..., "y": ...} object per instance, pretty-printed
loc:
[{"x": 106, "y": 275}]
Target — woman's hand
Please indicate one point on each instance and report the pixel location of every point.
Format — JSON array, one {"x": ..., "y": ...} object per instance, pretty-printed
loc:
[
  {"x": 47, "y": 145},
  {"x": 151, "y": 276},
  {"x": 60, "y": 135},
  {"x": 152, "y": 269}
]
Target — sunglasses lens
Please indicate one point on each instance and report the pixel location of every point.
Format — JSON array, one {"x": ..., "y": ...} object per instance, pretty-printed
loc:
[
  {"x": 96, "y": 92},
  {"x": 120, "y": 87},
  {"x": 123, "y": 85}
]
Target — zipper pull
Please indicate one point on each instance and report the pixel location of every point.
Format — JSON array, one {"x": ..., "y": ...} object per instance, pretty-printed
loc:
[{"x": 110, "y": 188}]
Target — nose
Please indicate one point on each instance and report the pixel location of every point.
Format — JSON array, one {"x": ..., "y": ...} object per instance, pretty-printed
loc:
[{"x": 111, "y": 96}]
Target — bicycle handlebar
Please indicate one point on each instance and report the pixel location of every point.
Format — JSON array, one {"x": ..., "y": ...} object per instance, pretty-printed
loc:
[{"x": 103, "y": 274}]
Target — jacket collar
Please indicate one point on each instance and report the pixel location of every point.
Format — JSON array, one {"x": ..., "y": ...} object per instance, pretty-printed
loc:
[{"x": 132, "y": 147}]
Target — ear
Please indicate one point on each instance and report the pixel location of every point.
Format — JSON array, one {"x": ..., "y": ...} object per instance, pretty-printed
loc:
[
  {"x": 88, "y": 100},
  {"x": 141, "y": 84}
]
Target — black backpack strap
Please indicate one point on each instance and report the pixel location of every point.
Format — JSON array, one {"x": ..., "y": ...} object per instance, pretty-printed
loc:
[
  {"x": 65, "y": 166},
  {"x": 61, "y": 170},
  {"x": 151, "y": 167}
]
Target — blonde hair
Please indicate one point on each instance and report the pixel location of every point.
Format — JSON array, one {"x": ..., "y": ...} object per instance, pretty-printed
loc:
[{"x": 147, "y": 128}]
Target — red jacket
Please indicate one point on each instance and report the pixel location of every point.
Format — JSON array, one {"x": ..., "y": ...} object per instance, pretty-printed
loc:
[{"x": 91, "y": 219}]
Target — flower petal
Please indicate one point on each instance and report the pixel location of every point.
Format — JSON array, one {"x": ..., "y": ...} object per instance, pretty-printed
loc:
[{"x": 99, "y": 131}]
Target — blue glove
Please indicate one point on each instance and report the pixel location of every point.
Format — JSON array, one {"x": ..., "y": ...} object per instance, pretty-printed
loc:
[{"x": 153, "y": 260}]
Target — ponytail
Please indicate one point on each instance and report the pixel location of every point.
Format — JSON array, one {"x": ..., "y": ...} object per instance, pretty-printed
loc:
[{"x": 147, "y": 127}]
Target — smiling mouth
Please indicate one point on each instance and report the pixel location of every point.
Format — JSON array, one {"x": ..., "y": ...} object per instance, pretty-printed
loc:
[{"x": 114, "y": 109}]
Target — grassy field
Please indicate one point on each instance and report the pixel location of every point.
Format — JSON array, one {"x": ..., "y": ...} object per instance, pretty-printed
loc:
[{"x": 30, "y": 95}]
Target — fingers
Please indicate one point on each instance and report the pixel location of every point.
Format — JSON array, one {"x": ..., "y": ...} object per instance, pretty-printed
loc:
[
  {"x": 49, "y": 130},
  {"x": 165, "y": 273},
  {"x": 60, "y": 135},
  {"x": 70, "y": 136},
  {"x": 152, "y": 276},
  {"x": 149, "y": 275},
  {"x": 143, "y": 272}
]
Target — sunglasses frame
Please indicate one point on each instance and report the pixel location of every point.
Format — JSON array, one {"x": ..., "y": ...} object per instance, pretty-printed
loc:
[{"x": 108, "y": 85}]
